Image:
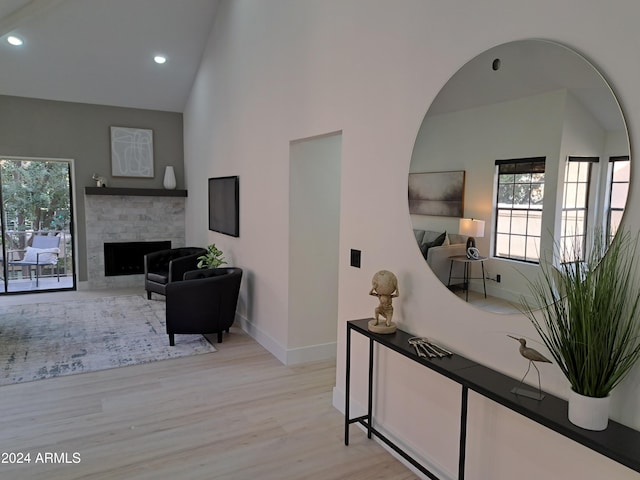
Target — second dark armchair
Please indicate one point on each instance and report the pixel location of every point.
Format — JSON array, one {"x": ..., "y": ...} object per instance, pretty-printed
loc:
[
  {"x": 166, "y": 266},
  {"x": 204, "y": 302}
]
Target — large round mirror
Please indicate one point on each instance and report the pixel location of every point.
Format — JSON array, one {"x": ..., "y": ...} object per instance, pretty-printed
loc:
[{"x": 524, "y": 149}]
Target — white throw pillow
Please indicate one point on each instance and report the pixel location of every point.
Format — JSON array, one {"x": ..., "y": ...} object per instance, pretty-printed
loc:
[{"x": 47, "y": 255}]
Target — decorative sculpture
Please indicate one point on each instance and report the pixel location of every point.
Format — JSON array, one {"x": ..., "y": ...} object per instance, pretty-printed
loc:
[
  {"x": 100, "y": 181},
  {"x": 385, "y": 287},
  {"x": 532, "y": 355}
]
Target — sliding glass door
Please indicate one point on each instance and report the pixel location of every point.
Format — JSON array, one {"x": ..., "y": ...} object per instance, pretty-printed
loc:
[{"x": 36, "y": 214}]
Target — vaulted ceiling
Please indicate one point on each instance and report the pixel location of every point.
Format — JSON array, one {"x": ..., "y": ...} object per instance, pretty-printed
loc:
[{"x": 102, "y": 51}]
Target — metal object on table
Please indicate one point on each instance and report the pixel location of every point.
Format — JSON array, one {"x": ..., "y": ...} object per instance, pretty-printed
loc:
[
  {"x": 425, "y": 348},
  {"x": 415, "y": 343}
]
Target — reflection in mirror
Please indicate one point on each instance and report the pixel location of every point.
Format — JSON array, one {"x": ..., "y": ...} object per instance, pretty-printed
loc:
[{"x": 541, "y": 146}]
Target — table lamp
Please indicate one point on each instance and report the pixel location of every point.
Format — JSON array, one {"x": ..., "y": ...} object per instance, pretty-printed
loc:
[{"x": 471, "y": 228}]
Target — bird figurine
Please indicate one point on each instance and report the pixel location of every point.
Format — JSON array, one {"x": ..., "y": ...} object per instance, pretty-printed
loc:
[{"x": 532, "y": 355}]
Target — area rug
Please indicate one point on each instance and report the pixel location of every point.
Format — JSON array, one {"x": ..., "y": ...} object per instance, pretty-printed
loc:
[{"x": 45, "y": 340}]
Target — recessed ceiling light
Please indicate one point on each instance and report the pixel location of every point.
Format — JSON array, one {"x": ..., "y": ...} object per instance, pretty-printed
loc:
[
  {"x": 15, "y": 41},
  {"x": 160, "y": 59}
]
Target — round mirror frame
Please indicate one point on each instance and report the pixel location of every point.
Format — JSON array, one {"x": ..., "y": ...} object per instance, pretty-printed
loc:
[{"x": 512, "y": 105}]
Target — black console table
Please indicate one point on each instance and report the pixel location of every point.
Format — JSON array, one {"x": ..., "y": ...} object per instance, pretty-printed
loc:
[{"x": 617, "y": 442}]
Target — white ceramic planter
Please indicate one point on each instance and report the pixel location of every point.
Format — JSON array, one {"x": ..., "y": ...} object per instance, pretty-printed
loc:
[{"x": 589, "y": 413}]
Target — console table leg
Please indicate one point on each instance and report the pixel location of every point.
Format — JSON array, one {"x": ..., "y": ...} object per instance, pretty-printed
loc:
[
  {"x": 370, "y": 406},
  {"x": 463, "y": 432},
  {"x": 346, "y": 390}
]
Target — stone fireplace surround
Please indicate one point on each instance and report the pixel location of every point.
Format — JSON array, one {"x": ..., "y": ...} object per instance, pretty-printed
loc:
[{"x": 129, "y": 215}]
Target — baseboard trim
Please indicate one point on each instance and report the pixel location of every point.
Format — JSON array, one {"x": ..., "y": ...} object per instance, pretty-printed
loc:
[
  {"x": 263, "y": 339},
  {"x": 293, "y": 356},
  {"x": 311, "y": 353}
]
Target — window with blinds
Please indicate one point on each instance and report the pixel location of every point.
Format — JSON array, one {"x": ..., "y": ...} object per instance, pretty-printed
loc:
[{"x": 520, "y": 197}]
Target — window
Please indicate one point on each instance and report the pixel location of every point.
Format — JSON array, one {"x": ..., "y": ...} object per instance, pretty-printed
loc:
[
  {"x": 575, "y": 201},
  {"x": 619, "y": 174},
  {"x": 520, "y": 195}
]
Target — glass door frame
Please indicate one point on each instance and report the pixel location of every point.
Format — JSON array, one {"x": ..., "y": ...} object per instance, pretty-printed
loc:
[{"x": 4, "y": 288}]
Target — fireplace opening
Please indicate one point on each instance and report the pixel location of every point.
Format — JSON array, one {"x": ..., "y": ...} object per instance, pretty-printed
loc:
[{"x": 127, "y": 258}]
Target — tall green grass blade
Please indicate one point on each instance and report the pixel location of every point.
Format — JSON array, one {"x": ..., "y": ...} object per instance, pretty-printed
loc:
[{"x": 587, "y": 314}]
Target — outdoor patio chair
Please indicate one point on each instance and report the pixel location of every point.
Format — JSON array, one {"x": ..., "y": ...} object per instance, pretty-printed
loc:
[{"x": 43, "y": 252}]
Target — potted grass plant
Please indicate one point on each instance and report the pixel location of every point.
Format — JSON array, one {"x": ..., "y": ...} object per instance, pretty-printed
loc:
[
  {"x": 212, "y": 259},
  {"x": 586, "y": 312}
]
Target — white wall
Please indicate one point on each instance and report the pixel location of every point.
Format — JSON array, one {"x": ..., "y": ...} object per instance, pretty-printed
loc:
[{"x": 286, "y": 69}]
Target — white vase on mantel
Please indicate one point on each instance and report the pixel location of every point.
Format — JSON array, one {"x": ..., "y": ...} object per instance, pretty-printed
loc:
[
  {"x": 169, "y": 181},
  {"x": 590, "y": 413}
]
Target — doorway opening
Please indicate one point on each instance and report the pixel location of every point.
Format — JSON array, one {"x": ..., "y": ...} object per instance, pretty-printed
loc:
[
  {"x": 36, "y": 223},
  {"x": 314, "y": 233}
]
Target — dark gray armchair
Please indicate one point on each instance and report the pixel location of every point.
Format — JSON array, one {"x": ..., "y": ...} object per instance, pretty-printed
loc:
[
  {"x": 166, "y": 266},
  {"x": 204, "y": 302}
]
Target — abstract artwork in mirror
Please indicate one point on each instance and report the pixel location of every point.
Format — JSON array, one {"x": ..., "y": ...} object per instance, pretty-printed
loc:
[
  {"x": 437, "y": 193},
  {"x": 528, "y": 99}
]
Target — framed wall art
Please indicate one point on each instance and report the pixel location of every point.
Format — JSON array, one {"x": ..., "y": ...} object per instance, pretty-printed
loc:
[
  {"x": 437, "y": 193},
  {"x": 131, "y": 152}
]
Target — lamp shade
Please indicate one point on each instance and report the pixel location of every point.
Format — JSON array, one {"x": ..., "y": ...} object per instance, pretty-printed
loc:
[{"x": 471, "y": 227}]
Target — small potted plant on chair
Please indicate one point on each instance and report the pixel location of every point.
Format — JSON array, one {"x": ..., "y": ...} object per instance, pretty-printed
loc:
[{"x": 212, "y": 259}]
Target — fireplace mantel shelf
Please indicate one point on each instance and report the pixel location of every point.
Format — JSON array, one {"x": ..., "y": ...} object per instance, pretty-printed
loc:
[{"x": 139, "y": 192}]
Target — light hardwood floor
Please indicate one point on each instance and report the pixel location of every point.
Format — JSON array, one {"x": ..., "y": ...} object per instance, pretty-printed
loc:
[{"x": 234, "y": 414}]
